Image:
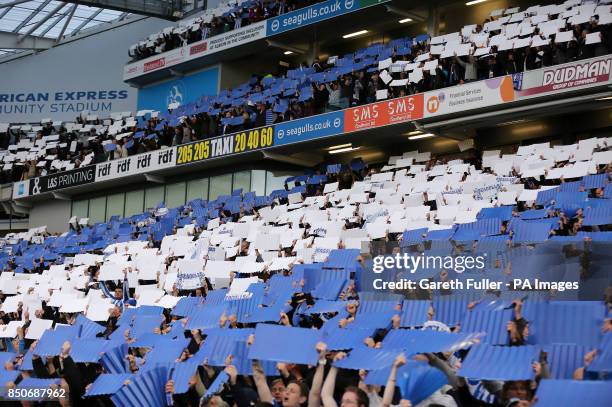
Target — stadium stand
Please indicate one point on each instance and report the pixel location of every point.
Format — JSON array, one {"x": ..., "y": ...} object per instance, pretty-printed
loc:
[
  {"x": 285, "y": 298},
  {"x": 397, "y": 68},
  {"x": 227, "y": 16},
  {"x": 182, "y": 304}
]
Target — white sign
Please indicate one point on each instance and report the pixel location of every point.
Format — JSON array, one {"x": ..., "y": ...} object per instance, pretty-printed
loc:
[
  {"x": 137, "y": 164},
  {"x": 196, "y": 50}
]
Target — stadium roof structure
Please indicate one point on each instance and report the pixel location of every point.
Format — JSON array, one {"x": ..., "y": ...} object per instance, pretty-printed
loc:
[{"x": 40, "y": 24}]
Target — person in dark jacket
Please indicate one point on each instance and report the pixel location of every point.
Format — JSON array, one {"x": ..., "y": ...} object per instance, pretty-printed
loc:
[{"x": 321, "y": 97}]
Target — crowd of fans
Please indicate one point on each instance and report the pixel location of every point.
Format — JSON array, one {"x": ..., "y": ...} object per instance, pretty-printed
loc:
[
  {"x": 151, "y": 327},
  {"x": 224, "y": 18},
  {"x": 353, "y": 80}
]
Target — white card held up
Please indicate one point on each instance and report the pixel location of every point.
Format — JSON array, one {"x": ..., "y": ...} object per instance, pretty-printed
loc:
[
  {"x": 377, "y": 230},
  {"x": 38, "y": 327},
  {"x": 382, "y": 94},
  {"x": 9, "y": 286},
  {"x": 11, "y": 304},
  {"x": 99, "y": 311},
  {"x": 528, "y": 195},
  {"x": 331, "y": 187},
  {"x": 219, "y": 269},
  {"x": 267, "y": 242},
  {"x": 251, "y": 267},
  {"x": 593, "y": 38},
  {"x": 429, "y": 65},
  {"x": 482, "y": 51},
  {"x": 239, "y": 286},
  {"x": 384, "y": 64},
  {"x": 168, "y": 301},
  {"x": 538, "y": 41},
  {"x": 150, "y": 296},
  {"x": 386, "y": 78},
  {"x": 74, "y": 305},
  {"x": 10, "y": 330},
  {"x": 507, "y": 197},
  {"x": 415, "y": 76},
  {"x": 295, "y": 198},
  {"x": 111, "y": 271},
  {"x": 399, "y": 82},
  {"x": 602, "y": 157}
]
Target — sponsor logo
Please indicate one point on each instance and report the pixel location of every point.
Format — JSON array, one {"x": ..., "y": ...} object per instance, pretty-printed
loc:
[
  {"x": 324, "y": 125},
  {"x": 155, "y": 64},
  {"x": 576, "y": 75},
  {"x": 176, "y": 94},
  {"x": 198, "y": 48},
  {"x": 136, "y": 164},
  {"x": 312, "y": 14},
  {"x": 517, "y": 80},
  {"x": 384, "y": 113},
  {"x": 65, "y": 179},
  {"x": 433, "y": 103},
  {"x": 588, "y": 70}
]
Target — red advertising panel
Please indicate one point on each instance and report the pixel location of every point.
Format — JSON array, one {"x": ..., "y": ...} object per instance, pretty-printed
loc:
[
  {"x": 155, "y": 64},
  {"x": 383, "y": 113},
  {"x": 198, "y": 48}
]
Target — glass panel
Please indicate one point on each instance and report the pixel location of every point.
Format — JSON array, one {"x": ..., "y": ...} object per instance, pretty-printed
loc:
[
  {"x": 197, "y": 188},
  {"x": 153, "y": 196},
  {"x": 114, "y": 205},
  {"x": 175, "y": 195},
  {"x": 133, "y": 202},
  {"x": 242, "y": 180},
  {"x": 97, "y": 210},
  {"x": 80, "y": 208},
  {"x": 220, "y": 185},
  {"x": 258, "y": 182}
]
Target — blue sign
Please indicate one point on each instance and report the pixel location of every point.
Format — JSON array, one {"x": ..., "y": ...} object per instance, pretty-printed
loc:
[
  {"x": 310, "y": 15},
  {"x": 323, "y": 125},
  {"x": 517, "y": 81},
  {"x": 183, "y": 90}
]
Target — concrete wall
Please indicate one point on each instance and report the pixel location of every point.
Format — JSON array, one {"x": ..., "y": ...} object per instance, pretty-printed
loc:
[
  {"x": 52, "y": 213},
  {"x": 90, "y": 64}
]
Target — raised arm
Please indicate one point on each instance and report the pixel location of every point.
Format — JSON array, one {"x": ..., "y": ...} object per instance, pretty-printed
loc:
[
  {"x": 518, "y": 309},
  {"x": 327, "y": 394},
  {"x": 400, "y": 360},
  {"x": 314, "y": 396},
  {"x": 263, "y": 390},
  {"x": 106, "y": 291},
  {"x": 438, "y": 363},
  {"x": 126, "y": 289}
]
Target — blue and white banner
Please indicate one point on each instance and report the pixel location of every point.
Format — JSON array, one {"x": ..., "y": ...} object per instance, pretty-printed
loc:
[
  {"x": 310, "y": 15},
  {"x": 323, "y": 125},
  {"x": 184, "y": 90}
]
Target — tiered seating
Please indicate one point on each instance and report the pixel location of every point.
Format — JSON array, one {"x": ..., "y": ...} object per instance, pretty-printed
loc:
[
  {"x": 241, "y": 264},
  {"x": 227, "y": 16},
  {"x": 399, "y": 67}
]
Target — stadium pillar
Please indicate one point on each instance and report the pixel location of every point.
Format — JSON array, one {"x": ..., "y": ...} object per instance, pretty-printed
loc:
[
  {"x": 314, "y": 46},
  {"x": 433, "y": 20}
]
